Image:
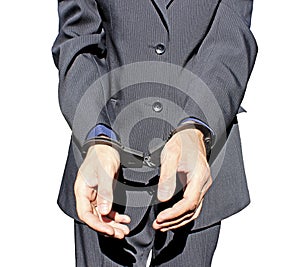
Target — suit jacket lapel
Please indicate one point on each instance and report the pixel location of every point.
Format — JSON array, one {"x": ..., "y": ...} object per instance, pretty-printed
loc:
[
  {"x": 168, "y": 3},
  {"x": 161, "y": 7}
]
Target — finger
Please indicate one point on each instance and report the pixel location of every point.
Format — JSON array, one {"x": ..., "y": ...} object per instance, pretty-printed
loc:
[
  {"x": 184, "y": 222},
  {"x": 167, "y": 180},
  {"x": 122, "y": 227},
  {"x": 197, "y": 185},
  {"x": 198, "y": 188},
  {"x": 174, "y": 212},
  {"x": 105, "y": 191},
  {"x": 86, "y": 214},
  {"x": 186, "y": 205},
  {"x": 157, "y": 225},
  {"x": 119, "y": 234},
  {"x": 119, "y": 218},
  {"x": 115, "y": 225},
  {"x": 192, "y": 196},
  {"x": 93, "y": 221}
]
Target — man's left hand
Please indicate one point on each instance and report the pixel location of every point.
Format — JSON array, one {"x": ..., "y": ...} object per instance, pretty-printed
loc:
[{"x": 184, "y": 154}]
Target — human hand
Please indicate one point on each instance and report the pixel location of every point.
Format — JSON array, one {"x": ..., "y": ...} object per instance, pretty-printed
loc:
[
  {"x": 94, "y": 192},
  {"x": 184, "y": 154}
]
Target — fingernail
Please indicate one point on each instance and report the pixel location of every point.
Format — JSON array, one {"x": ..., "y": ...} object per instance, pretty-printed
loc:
[
  {"x": 103, "y": 208},
  {"x": 126, "y": 220},
  {"x": 160, "y": 219},
  {"x": 164, "y": 193}
]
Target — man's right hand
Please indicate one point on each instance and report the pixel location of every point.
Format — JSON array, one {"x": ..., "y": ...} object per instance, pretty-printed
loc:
[{"x": 94, "y": 192}]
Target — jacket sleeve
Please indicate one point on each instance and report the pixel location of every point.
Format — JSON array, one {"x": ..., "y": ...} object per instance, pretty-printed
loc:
[
  {"x": 223, "y": 62},
  {"x": 79, "y": 54}
]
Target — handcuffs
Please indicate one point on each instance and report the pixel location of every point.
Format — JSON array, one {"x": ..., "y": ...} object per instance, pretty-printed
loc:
[{"x": 131, "y": 158}]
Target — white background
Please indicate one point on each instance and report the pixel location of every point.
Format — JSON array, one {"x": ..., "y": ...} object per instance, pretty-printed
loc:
[{"x": 34, "y": 142}]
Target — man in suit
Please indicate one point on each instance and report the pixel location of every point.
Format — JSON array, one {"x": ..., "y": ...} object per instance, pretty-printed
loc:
[{"x": 151, "y": 90}]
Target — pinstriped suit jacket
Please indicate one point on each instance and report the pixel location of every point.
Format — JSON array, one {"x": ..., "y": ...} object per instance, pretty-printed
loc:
[{"x": 209, "y": 38}]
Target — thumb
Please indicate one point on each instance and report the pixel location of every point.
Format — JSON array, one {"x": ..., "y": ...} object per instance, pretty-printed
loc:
[
  {"x": 105, "y": 192},
  {"x": 167, "y": 180}
]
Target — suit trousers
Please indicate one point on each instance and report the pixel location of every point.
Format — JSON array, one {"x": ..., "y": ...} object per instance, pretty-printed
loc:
[{"x": 181, "y": 247}]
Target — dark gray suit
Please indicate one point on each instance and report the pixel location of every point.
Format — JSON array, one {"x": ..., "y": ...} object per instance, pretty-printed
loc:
[{"x": 209, "y": 38}]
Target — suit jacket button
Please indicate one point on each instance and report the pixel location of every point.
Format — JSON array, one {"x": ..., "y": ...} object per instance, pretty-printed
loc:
[
  {"x": 160, "y": 49},
  {"x": 157, "y": 106}
]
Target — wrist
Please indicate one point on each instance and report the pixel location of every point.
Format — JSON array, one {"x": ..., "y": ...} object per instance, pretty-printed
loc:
[
  {"x": 196, "y": 138},
  {"x": 105, "y": 154},
  {"x": 103, "y": 150},
  {"x": 199, "y": 133}
]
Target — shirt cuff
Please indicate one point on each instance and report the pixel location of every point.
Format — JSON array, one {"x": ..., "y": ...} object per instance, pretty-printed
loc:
[{"x": 101, "y": 129}]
